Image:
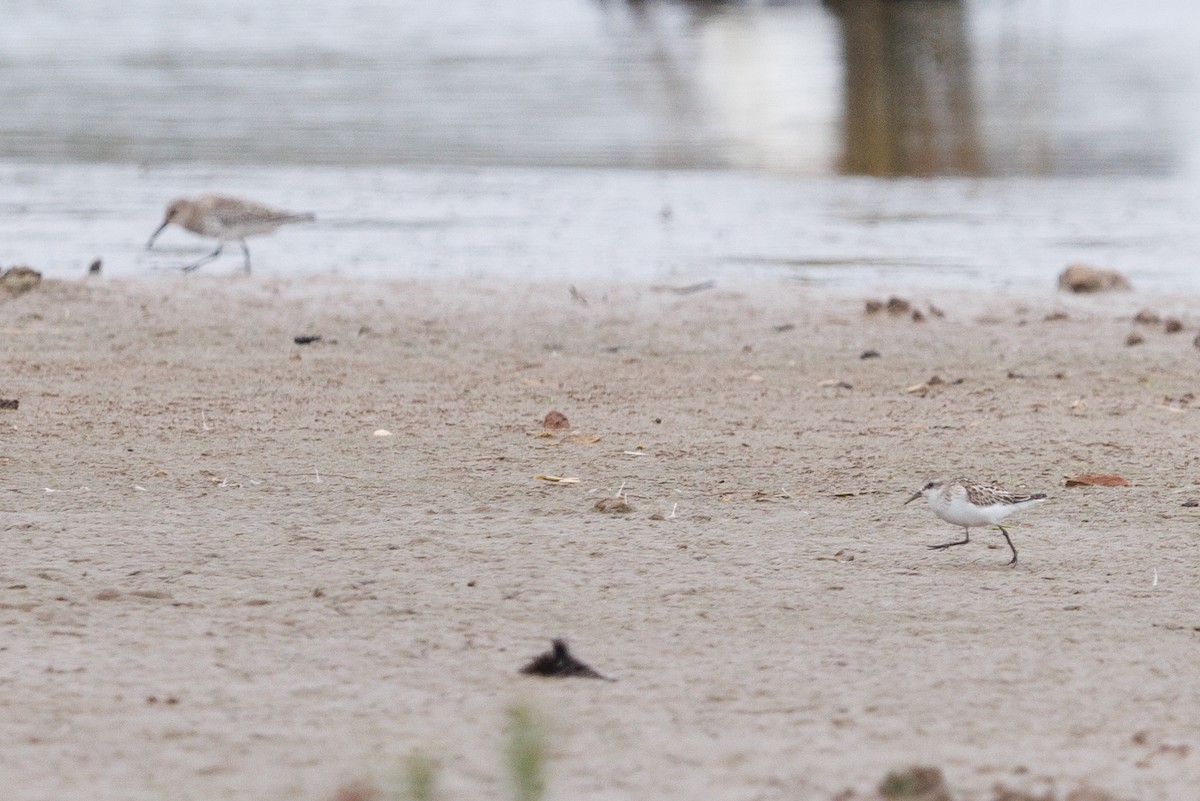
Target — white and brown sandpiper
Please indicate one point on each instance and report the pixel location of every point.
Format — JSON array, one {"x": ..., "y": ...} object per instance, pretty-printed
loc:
[
  {"x": 969, "y": 503},
  {"x": 226, "y": 219}
]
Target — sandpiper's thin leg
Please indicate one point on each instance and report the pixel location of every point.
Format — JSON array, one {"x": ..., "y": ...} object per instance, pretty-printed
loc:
[
  {"x": 1010, "y": 545},
  {"x": 246, "y": 252},
  {"x": 196, "y": 264},
  {"x": 966, "y": 538}
]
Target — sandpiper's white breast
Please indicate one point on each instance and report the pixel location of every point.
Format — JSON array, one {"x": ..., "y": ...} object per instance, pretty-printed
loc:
[
  {"x": 961, "y": 512},
  {"x": 954, "y": 506}
]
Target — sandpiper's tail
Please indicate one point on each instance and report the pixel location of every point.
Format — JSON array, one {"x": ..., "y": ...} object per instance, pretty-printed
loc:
[
  {"x": 1019, "y": 499},
  {"x": 306, "y": 217}
]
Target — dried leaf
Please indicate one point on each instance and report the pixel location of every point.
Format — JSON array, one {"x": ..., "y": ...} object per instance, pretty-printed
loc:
[
  {"x": 557, "y": 479},
  {"x": 582, "y": 439},
  {"x": 1096, "y": 481}
]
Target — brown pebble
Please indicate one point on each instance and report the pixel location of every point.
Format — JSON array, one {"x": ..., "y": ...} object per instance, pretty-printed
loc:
[
  {"x": 1134, "y": 338},
  {"x": 1056, "y": 316},
  {"x": 918, "y": 782},
  {"x": 612, "y": 506},
  {"x": 357, "y": 791},
  {"x": 917, "y": 316},
  {"x": 1085, "y": 278},
  {"x": 897, "y": 305},
  {"x": 555, "y": 421},
  {"x": 874, "y": 307},
  {"x": 1172, "y": 325},
  {"x": 1147, "y": 317},
  {"x": 9, "y": 403},
  {"x": 20, "y": 279}
]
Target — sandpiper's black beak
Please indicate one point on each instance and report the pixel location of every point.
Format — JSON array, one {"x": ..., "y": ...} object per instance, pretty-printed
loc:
[
  {"x": 157, "y": 231},
  {"x": 915, "y": 495}
]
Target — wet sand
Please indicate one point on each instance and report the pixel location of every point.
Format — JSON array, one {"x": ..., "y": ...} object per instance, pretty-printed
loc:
[{"x": 220, "y": 583}]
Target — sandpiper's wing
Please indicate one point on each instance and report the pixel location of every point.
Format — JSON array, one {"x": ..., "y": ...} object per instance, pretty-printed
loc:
[
  {"x": 984, "y": 495},
  {"x": 234, "y": 211}
]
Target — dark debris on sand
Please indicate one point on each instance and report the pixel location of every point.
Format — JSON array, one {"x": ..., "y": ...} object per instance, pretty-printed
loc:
[
  {"x": 612, "y": 506},
  {"x": 918, "y": 783},
  {"x": 926, "y": 783},
  {"x": 559, "y": 663}
]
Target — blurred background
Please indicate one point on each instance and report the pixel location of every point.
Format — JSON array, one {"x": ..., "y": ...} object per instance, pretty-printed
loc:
[
  {"x": 602, "y": 140},
  {"x": 881, "y": 87}
]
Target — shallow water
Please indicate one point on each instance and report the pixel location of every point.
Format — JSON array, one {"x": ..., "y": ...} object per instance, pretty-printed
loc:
[
  {"x": 597, "y": 226},
  {"x": 1079, "y": 87},
  {"x": 604, "y": 141}
]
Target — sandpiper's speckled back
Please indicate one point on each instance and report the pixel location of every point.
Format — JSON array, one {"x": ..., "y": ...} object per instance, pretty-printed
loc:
[
  {"x": 229, "y": 218},
  {"x": 984, "y": 495}
]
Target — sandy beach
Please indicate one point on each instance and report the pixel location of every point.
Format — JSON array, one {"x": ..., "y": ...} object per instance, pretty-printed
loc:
[{"x": 222, "y": 581}]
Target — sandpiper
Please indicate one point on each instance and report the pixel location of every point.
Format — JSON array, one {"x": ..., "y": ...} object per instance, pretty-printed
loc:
[
  {"x": 969, "y": 503},
  {"x": 226, "y": 219}
]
